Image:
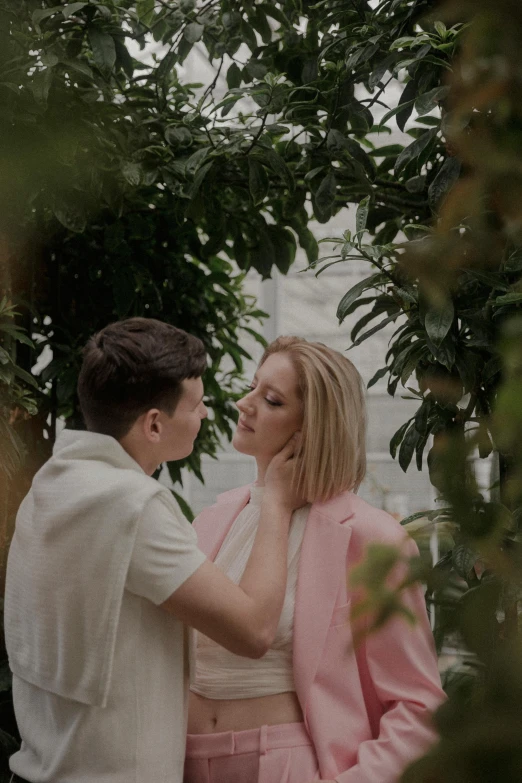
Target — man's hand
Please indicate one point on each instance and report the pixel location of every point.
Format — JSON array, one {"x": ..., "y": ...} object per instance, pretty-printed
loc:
[{"x": 281, "y": 472}]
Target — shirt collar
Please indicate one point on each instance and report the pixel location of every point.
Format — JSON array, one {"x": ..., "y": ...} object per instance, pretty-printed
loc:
[{"x": 82, "y": 444}]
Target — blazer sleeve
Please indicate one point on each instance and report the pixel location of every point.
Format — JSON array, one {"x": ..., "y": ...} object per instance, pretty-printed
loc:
[{"x": 399, "y": 664}]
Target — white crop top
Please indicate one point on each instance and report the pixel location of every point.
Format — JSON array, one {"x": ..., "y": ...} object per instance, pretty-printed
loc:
[{"x": 219, "y": 674}]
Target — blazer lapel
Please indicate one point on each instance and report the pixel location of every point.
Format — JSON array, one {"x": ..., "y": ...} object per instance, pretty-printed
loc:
[
  {"x": 322, "y": 568},
  {"x": 214, "y": 522}
]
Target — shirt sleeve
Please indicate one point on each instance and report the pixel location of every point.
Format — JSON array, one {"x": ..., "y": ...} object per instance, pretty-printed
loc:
[{"x": 165, "y": 552}]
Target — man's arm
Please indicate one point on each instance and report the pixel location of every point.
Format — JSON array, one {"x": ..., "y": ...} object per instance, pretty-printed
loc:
[{"x": 244, "y": 618}]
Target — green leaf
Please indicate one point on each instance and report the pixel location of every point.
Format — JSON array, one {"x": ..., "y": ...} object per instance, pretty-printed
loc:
[
  {"x": 272, "y": 159},
  {"x": 49, "y": 59},
  {"x": 41, "y": 84},
  {"x": 397, "y": 437},
  {"x": 194, "y": 32},
  {"x": 178, "y": 135},
  {"x": 124, "y": 59},
  {"x": 306, "y": 239},
  {"x": 513, "y": 298},
  {"x": 354, "y": 293},
  {"x": 421, "y": 418},
  {"x": 43, "y": 13},
  {"x": 184, "y": 506},
  {"x": 16, "y": 333},
  {"x": 103, "y": 49},
  {"x": 446, "y": 177},
  {"x": 513, "y": 262},
  {"x": 256, "y": 69},
  {"x": 406, "y": 104},
  {"x": 198, "y": 179},
  {"x": 362, "y": 214},
  {"x": 416, "y": 184},
  {"x": 72, "y": 8},
  {"x": 380, "y": 69},
  {"x": 260, "y": 23},
  {"x": 414, "y": 149},
  {"x": 407, "y": 447},
  {"x": 132, "y": 173},
  {"x": 325, "y": 194},
  {"x": 389, "y": 150},
  {"x": 234, "y": 76},
  {"x": 80, "y": 66},
  {"x": 393, "y": 112},
  {"x": 414, "y": 517},
  {"x": 377, "y": 377},
  {"x": 197, "y": 158},
  {"x": 438, "y": 322},
  {"x": 375, "y": 329},
  {"x": 25, "y": 376},
  {"x": 283, "y": 243},
  {"x": 166, "y": 65},
  {"x": 262, "y": 256},
  {"x": 145, "y": 11},
  {"x": 257, "y": 181},
  {"x": 463, "y": 559},
  {"x": 429, "y": 100},
  {"x": 71, "y": 217},
  {"x": 231, "y": 19}
]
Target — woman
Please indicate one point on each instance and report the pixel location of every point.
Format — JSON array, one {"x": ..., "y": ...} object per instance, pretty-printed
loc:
[{"x": 312, "y": 708}]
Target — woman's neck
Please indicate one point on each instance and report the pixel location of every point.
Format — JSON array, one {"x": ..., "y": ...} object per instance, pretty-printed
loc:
[{"x": 262, "y": 465}]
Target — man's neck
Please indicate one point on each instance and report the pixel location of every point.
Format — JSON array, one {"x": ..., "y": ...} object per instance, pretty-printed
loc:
[{"x": 139, "y": 453}]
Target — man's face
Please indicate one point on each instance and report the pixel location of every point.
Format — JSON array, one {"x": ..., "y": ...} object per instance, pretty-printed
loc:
[{"x": 180, "y": 430}]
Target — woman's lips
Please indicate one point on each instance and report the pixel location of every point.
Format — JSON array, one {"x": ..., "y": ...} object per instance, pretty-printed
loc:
[{"x": 243, "y": 426}]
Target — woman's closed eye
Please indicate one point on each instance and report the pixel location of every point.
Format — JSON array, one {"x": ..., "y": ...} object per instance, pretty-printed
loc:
[{"x": 271, "y": 402}]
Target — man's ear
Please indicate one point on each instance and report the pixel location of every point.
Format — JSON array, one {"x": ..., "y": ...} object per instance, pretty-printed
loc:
[{"x": 152, "y": 426}]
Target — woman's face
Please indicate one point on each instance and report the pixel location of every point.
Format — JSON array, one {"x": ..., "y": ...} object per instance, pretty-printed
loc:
[{"x": 271, "y": 411}]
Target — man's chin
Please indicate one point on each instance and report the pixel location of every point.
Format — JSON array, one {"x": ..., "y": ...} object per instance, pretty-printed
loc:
[{"x": 179, "y": 455}]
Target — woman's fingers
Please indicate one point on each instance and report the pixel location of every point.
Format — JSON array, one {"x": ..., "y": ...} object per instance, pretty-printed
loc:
[{"x": 291, "y": 447}]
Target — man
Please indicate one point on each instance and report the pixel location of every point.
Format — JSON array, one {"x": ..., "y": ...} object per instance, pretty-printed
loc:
[{"x": 104, "y": 573}]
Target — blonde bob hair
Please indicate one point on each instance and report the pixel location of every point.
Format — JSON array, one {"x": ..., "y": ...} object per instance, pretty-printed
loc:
[{"x": 333, "y": 453}]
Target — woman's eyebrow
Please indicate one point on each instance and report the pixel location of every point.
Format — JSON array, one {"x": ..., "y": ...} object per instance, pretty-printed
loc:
[
  {"x": 271, "y": 387},
  {"x": 276, "y": 390}
]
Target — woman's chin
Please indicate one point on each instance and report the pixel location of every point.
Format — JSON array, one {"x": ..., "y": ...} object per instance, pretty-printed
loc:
[{"x": 239, "y": 444}]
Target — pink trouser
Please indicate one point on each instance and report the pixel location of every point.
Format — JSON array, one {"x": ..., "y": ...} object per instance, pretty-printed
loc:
[{"x": 271, "y": 754}]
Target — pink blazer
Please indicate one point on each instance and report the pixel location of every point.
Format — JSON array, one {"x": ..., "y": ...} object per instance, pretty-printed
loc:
[{"x": 368, "y": 712}]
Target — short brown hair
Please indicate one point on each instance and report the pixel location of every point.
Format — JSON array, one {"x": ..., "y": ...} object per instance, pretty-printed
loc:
[
  {"x": 334, "y": 418},
  {"x": 132, "y": 366}
]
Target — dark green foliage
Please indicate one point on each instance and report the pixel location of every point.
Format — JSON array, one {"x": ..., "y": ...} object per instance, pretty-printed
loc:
[{"x": 127, "y": 191}]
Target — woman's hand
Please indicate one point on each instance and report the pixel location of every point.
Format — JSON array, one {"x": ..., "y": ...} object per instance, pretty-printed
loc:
[{"x": 280, "y": 474}]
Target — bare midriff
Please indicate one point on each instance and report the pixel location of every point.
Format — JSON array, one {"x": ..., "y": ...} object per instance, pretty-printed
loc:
[{"x": 208, "y": 716}]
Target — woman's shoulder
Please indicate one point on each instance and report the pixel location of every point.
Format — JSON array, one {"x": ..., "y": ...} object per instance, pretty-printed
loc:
[
  {"x": 233, "y": 495},
  {"x": 367, "y": 522},
  {"x": 231, "y": 498}
]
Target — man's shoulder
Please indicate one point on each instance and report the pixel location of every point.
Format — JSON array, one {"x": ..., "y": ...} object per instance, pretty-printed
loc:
[{"x": 80, "y": 485}]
